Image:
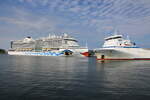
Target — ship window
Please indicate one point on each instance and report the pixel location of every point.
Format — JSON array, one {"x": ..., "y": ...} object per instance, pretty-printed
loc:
[
  {"x": 113, "y": 38},
  {"x": 65, "y": 42},
  {"x": 102, "y": 56},
  {"x": 119, "y": 40},
  {"x": 71, "y": 40}
]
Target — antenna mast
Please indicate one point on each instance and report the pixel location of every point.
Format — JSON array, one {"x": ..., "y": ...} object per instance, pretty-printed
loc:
[
  {"x": 116, "y": 32},
  {"x": 86, "y": 45}
]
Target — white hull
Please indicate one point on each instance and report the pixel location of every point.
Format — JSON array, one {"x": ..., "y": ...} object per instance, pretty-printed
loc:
[
  {"x": 75, "y": 52},
  {"x": 122, "y": 54},
  {"x": 33, "y": 53}
]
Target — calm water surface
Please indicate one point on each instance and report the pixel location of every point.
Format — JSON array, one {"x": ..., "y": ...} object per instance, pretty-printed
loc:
[{"x": 70, "y": 78}]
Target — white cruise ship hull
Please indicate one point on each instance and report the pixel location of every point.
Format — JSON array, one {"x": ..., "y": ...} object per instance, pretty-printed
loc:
[
  {"x": 76, "y": 52},
  {"x": 29, "y": 53},
  {"x": 122, "y": 54}
]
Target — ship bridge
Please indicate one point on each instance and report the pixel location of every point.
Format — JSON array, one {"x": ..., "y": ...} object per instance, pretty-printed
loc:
[{"x": 113, "y": 37}]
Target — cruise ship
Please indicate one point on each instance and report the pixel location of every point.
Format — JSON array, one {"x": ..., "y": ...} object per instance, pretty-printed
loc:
[
  {"x": 116, "y": 47},
  {"x": 53, "y": 45}
]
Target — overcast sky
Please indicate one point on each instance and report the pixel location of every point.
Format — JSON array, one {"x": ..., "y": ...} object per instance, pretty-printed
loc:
[{"x": 87, "y": 20}]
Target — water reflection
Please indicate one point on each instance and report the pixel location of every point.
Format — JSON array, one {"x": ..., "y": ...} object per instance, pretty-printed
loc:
[
  {"x": 25, "y": 77},
  {"x": 126, "y": 77}
]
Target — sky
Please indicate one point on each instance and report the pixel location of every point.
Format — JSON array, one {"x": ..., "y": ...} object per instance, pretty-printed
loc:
[{"x": 89, "y": 21}]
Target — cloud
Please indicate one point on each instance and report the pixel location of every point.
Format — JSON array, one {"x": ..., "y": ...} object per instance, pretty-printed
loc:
[
  {"x": 88, "y": 18},
  {"x": 97, "y": 9},
  {"x": 26, "y": 20}
]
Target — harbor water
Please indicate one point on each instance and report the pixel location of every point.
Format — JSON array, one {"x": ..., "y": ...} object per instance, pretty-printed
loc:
[{"x": 72, "y": 78}]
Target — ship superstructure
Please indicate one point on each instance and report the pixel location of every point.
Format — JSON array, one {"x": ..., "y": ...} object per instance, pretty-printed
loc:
[
  {"x": 118, "y": 48},
  {"x": 26, "y": 44},
  {"x": 53, "y": 45},
  {"x": 117, "y": 41}
]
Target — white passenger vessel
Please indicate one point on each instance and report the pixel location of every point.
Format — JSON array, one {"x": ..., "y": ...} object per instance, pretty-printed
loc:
[
  {"x": 53, "y": 45},
  {"x": 117, "y": 48}
]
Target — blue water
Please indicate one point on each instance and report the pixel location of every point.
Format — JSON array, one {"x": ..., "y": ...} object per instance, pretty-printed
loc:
[{"x": 72, "y": 78}]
